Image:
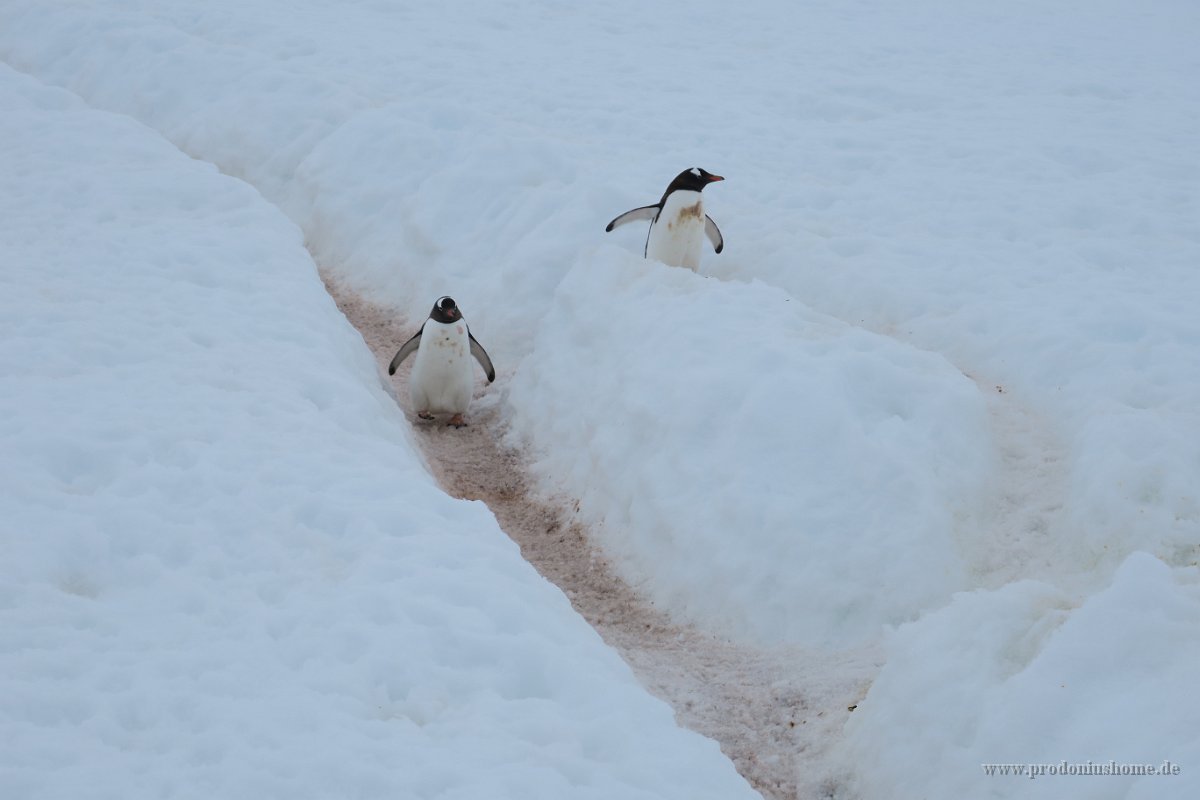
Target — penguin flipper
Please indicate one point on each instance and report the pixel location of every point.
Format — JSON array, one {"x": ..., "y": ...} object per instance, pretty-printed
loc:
[
  {"x": 482, "y": 357},
  {"x": 714, "y": 233},
  {"x": 405, "y": 351},
  {"x": 647, "y": 213}
]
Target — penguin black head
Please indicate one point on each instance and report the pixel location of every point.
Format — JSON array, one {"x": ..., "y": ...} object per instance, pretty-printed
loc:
[
  {"x": 690, "y": 180},
  {"x": 445, "y": 311}
]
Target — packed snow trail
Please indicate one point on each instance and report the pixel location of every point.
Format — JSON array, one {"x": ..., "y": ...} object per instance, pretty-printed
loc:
[
  {"x": 1018, "y": 534},
  {"x": 776, "y": 713}
]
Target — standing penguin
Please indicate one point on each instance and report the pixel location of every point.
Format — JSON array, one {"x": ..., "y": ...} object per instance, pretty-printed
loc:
[
  {"x": 678, "y": 223},
  {"x": 441, "y": 376}
]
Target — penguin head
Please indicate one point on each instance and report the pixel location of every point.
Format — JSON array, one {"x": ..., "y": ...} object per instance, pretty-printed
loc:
[
  {"x": 692, "y": 180},
  {"x": 445, "y": 311}
]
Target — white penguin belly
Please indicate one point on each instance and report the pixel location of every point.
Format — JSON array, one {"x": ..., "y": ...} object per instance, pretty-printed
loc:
[
  {"x": 677, "y": 236},
  {"x": 442, "y": 374}
]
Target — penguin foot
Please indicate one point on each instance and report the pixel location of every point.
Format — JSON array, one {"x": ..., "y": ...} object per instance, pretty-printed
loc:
[
  {"x": 457, "y": 421},
  {"x": 424, "y": 415}
]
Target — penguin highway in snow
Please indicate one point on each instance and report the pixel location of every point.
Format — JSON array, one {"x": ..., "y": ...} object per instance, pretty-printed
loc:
[
  {"x": 678, "y": 223},
  {"x": 441, "y": 379}
]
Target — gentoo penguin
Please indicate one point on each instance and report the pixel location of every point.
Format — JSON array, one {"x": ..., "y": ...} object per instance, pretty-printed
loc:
[
  {"x": 441, "y": 376},
  {"x": 678, "y": 223}
]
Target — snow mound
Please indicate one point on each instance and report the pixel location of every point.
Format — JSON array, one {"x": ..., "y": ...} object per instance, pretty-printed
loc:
[
  {"x": 1020, "y": 676},
  {"x": 763, "y": 469}
]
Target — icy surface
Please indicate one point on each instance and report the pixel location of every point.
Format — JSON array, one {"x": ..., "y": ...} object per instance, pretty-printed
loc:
[{"x": 226, "y": 571}]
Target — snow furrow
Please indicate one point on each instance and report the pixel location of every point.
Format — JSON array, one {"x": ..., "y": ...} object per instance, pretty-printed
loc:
[
  {"x": 227, "y": 571},
  {"x": 777, "y": 713}
]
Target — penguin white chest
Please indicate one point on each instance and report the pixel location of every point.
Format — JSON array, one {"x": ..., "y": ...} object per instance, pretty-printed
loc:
[
  {"x": 442, "y": 372},
  {"x": 677, "y": 236}
]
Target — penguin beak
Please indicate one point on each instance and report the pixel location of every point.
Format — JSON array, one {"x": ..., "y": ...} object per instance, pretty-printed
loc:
[{"x": 712, "y": 178}]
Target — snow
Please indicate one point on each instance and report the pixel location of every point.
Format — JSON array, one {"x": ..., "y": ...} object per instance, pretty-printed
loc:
[
  {"x": 950, "y": 344},
  {"x": 1020, "y": 676},
  {"x": 227, "y": 572},
  {"x": 757, "y": 463}
]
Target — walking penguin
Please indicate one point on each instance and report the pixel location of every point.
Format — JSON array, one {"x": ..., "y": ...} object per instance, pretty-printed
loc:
[
  {"x": 442, "y": 378},
  {"x": 678, "y": 224}
]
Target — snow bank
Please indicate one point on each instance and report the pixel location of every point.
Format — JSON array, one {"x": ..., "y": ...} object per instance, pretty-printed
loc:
[
  {"x": 407, "y": 192},
  {"x": 413, "y": 196},
  {"x": 1020, "y": 676},
  {"x": 755, "y": 463},
  {"x": 226, "y": 572},
  {"x": 1011, "y": 188},
  {"x": 415, "y": 202}
]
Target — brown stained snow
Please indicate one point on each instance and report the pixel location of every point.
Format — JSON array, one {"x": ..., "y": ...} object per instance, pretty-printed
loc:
[{"x": 776, "y": 713}]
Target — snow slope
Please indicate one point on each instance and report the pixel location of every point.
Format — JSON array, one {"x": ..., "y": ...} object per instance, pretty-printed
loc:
[
  {"x": 1007, "y": 193},
  {"x": 765, "y": 462},
  {"x": 227, "y": 572},
  {"x": 1020, "y": 676}
]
